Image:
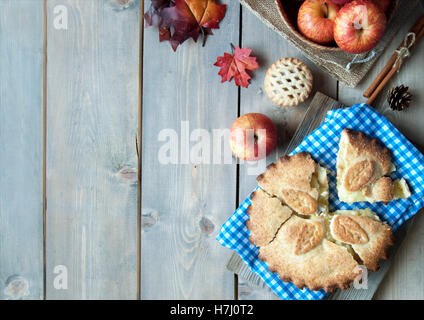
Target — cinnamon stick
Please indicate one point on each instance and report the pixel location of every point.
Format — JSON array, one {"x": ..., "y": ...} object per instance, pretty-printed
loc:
[
  {"x": 381, "y": 86},
  {"x": 391, "y": 72},
  {"x": 418, "y": 26}
]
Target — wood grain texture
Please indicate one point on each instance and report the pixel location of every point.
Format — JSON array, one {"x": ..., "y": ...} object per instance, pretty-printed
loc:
[
  {"x": 21, "y": 145},
  {"x": 184, "y": 204},
  {"x": 92, "y": 124},
  {"x": 405, "y": 279},
  {"x": 269, "y": 47}
]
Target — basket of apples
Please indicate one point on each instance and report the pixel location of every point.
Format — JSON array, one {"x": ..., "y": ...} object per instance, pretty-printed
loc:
[{"x": 354, "y": 26}]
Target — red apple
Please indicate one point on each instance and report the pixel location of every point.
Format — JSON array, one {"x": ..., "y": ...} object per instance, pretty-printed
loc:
[
  {"x": 359, "y": 26},
  {"x": 315, "y": 20},
  {"x": 382, "y": 4},
  {"x": 253, "y": 136}
]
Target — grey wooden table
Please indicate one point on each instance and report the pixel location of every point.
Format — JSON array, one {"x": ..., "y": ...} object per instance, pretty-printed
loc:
[{"x": 87, "y": 209}]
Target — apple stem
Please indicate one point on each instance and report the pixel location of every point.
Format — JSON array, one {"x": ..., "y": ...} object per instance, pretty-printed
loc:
[
  {"x": 356, "y": 26},
  {"x": 255, "y": 138},
  {"x": 326, "y": 9}
]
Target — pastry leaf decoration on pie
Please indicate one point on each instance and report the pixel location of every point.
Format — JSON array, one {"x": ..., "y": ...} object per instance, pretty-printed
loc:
[
  {"x": 345, "y": 229},
  {"x": 298, "y": 181},
  {"x": 367, "y": 235},
  {"x": 308, "y": 236},
  {"x": 362, "y": 168},
  {"x": 302, "y": 255},
  {"x": 300, "y": 239}
]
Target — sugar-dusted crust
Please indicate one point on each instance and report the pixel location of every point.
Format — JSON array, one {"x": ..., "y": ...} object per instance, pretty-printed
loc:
[
  {"x": 290, "y": 180},
  {"x": 383, "y": 189},
  {"x": 302, "y": 255},
  {"x": 372, "y": 248},
  {"x": 358, "y": 175},
  {"x": 267, "y": 214},
  {"x": 362, "y": 163},
  {"x": 347, "y": 230},
  {"x": 361, "y": 147}
]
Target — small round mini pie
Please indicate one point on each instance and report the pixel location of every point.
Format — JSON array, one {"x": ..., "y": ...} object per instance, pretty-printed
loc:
[{"x": 288, "y": 82}]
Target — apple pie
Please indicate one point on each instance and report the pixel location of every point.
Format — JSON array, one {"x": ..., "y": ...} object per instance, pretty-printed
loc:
[
  {"x": 300, "y": 239},
  {"x": 362, "y": 168},
  {"x": 368, "y": 237},
  {"x": 267, "y": 214},
  {"x": 301, "y": 254},
  {"x": 299, "y": 182}
]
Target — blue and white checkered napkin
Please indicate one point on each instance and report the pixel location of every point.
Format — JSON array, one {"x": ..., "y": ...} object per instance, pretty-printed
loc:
[{"x": 322, "y": 144}]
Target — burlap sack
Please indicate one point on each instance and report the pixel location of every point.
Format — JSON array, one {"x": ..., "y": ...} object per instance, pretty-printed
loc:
[{"x": 335, "y": 63}]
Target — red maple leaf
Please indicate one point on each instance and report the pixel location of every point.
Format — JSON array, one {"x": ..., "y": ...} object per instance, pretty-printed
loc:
[
  {"x": 179, "y": 20},
  {"x": 235, "y": 66}
]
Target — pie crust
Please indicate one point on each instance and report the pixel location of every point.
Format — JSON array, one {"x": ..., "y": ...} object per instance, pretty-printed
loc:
[
  {"x": 306, "y": 244},
  {"x": 302, "y": 255},
  {"x": 362, "y": 166},
  {"x": 288, "y": 82},
  {"x": 369, "y": 238},
  {"x": 267, "y": 214},
  {"x": 298, "y": 181}
]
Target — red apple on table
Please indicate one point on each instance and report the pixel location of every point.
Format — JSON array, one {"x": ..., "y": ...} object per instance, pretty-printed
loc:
[
  {"x": 315, "y": 20},
  {"x": 359, "y": 26},
  {"x": 253, "y": 136}
]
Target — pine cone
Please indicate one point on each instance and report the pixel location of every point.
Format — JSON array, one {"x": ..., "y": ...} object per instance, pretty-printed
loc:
[{"x": 399, "y": 98}]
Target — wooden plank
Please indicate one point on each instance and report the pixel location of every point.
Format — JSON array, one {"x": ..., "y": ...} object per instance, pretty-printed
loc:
[
  {"x": 21, "y": 148},
  {"x": 184, "y": 204},
  {"x": 251, "y": 286},
  {"x": 269, "y": 46},
  {"x": 405, "y": 280},
  {"x": 92, "y": 124}
]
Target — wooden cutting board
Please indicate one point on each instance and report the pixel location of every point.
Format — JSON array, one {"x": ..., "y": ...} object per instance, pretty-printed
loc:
[{"x": 313, "y": 118}]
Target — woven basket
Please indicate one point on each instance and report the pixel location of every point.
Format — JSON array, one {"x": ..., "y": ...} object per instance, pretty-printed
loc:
[{"x": 289, "y": 10}]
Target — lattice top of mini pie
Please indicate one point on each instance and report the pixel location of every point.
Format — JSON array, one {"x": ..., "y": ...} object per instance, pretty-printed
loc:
[{"x": 288, "y": 82}]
